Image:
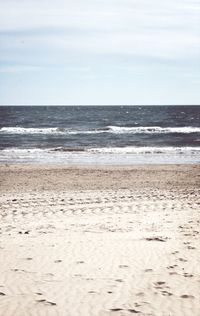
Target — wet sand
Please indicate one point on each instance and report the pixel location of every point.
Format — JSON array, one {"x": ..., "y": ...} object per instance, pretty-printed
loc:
[{"x": 99, "y": 241}]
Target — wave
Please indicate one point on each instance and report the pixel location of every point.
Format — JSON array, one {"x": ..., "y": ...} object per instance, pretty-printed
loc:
[
  {"x": 108, "y": 129},
  {"x": 30, "y": 130},
  {"x": 153, "y": 130},
  {"x": 102, "y": 156},
  {"x": 146, "y": 150},
  {"x": 104, "y": 150},
  {"x": 47, "y": 130}
]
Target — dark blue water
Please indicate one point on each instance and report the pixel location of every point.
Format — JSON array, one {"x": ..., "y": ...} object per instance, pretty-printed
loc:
[
  {"x": 80, "y": 127},
  {"x": 103, "y": 128}
]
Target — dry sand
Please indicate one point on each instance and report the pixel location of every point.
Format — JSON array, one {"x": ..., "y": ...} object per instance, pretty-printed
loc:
[{"x": 98, "y": 241}]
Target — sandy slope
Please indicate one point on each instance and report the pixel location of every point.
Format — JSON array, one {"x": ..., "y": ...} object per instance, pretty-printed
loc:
[{"x": 99, "y": 241}]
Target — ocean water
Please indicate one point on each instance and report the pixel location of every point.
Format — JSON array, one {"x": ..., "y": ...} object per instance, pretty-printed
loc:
[{"x": 100, "y": 134}]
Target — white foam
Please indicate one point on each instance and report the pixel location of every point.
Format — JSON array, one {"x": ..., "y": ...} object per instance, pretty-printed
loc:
[
  {"x": 116, "y": 155},
  {"x": 30, "y": 130},
  {"x": 108, "y": 129},
  {"x": 105, "y": 150},
  {"x": 146, "y": 150},
  {"x": 47, "y": 130},
  {"x": 153, "y": 130}
]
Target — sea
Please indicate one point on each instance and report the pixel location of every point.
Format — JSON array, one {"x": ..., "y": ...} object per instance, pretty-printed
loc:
[{"x": 100, "y": 135}]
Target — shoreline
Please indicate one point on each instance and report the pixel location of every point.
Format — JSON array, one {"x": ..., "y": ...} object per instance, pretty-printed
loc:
[
  {"x": 99, "y": 240},
  {"x": 129, "y": 155}
]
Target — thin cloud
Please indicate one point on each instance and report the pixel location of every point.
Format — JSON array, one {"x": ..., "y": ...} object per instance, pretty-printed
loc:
[
  {"x": 98, "y": 39},
  {"x": 150, "y": 28},
  {"x": 19, "y": 69}
]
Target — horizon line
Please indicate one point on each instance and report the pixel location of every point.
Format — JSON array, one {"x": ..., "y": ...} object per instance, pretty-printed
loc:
[{"x": 99, "y": 105}]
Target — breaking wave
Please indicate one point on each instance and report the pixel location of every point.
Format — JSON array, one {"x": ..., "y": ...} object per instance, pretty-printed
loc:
[
  {"x": 105, "y": 150},
  {"x": 107, "y": 156},
  {"x": 108, "y": 129},
  {"x": 146, "y": 150},
  {"x": 153, "y": 130}
]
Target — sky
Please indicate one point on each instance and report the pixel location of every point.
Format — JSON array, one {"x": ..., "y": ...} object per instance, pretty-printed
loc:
[{"x": 73, "y": 52}]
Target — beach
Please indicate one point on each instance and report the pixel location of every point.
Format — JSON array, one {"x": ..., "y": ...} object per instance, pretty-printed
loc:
[{"x": 99, "y": 240}]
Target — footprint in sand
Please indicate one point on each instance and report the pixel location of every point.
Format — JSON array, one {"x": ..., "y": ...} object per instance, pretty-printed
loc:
[
  {"x": 182, "y": 259},
  {"x": 139, "y": 294},
  {"x": 187, "y": 275},
  {"x": 191, "y": 247},
  {"x": 175, "y": 252},
  {"x": 166, "y": 293},
  {"x": 46, "y": 302},
  {"x": 116, "y": 309},
  {"x": 156, "y": 239},
  {"x": 119, "y": 280},
  {"x": 172, "y": 267},
  {"x": 187, "y": 296},
  {"x": 159, "y": 283},
  {"x": 134, "y": 311},
  {"x": 131, "y": 310}
]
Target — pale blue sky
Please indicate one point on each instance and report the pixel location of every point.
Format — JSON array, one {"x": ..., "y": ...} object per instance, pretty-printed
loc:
[{"x": 99, "y": 52}]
